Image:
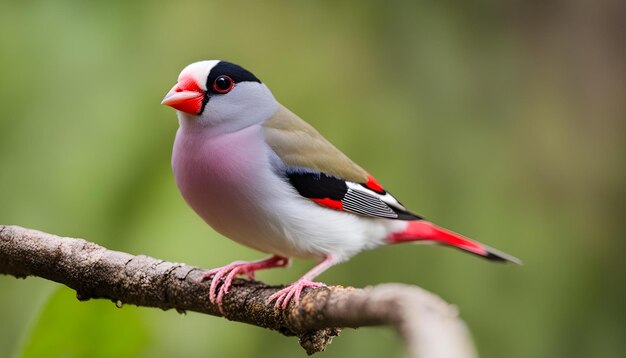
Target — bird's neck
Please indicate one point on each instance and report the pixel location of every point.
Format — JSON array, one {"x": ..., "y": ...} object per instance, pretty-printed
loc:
[{"x": 199, "y": 125}]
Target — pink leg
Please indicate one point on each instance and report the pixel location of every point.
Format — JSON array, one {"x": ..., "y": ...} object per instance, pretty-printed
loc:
[
  {"x": 294, "y": 290},
  {"x": 229, "y": 272}
]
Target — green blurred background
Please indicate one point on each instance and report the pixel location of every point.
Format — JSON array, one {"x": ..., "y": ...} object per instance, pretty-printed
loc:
[{"x": 503, "y": 120}]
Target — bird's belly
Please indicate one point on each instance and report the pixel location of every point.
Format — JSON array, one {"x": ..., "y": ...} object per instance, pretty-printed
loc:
[{"x": 227, "y": 181}]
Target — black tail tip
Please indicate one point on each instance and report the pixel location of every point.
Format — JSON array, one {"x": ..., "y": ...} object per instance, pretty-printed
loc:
[{"x": 499, "y": 256}]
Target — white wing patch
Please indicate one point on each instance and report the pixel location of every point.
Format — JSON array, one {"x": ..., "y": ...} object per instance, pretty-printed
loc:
[
  {"x": 363, "y": 203},
  {"x": 386, "y": 198}
]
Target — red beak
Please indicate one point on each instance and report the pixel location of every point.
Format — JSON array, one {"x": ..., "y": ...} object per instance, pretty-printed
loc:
[{"x": 186, "y": 96}]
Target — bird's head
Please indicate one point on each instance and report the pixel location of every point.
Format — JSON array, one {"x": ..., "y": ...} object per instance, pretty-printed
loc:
[{"x": 220, "y": 94}]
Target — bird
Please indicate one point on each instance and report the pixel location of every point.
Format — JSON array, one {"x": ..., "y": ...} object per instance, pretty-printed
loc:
[{"x": 263, "y": 177}]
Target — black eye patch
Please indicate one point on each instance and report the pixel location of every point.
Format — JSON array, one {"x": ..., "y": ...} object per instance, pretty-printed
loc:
[{"x": 235, "y": 72}]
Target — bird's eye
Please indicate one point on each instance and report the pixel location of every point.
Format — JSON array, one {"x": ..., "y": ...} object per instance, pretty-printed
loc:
[{"x": 223, "y": 84}]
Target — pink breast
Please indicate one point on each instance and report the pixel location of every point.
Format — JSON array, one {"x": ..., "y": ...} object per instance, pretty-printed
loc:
[{"x": 217, "y": 175}]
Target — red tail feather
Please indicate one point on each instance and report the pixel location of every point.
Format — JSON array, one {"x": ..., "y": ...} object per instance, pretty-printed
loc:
[{"x": 424, "y": 230}]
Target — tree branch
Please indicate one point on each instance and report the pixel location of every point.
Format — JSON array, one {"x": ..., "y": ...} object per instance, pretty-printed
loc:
[{"x": 428, "y": 325}]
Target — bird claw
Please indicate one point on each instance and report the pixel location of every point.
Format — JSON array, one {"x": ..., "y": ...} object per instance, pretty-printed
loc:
[
  {"x": 293, "y": 291},
  {"x": 226, "y": 274}
]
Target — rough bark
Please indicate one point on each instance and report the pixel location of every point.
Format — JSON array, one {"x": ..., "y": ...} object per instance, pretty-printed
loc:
[{"x": 428, "y": 326}]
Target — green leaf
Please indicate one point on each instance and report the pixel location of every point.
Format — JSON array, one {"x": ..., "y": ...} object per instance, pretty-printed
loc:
[{"x": 96, "y": 328}]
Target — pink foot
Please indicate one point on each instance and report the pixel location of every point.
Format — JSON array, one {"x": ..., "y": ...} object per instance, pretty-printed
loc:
[
  {"x": 292, "y": 291},
  {"x": 228, "y": 273}
]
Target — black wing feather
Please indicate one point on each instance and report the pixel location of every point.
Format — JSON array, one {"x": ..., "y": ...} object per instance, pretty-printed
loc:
[{"x": 315, "y": 185}]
